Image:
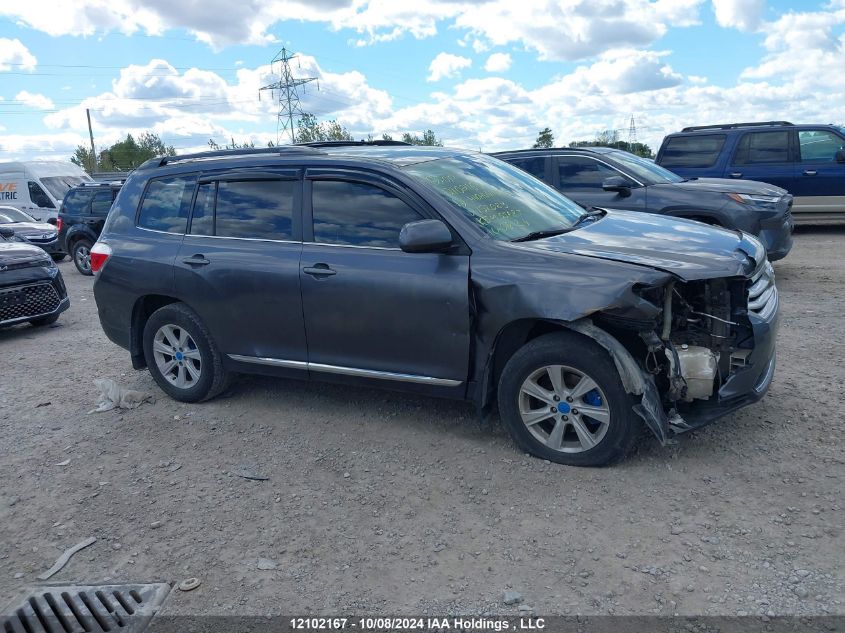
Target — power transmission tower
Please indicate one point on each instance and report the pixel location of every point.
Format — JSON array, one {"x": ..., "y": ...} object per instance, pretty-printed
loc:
[
  {"x": 632, "y": 134},
  {"x": 288, "y": 96}
]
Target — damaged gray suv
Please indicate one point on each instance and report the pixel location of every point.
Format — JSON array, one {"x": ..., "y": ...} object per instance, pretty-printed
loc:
[{"x": 440, "y": 272}]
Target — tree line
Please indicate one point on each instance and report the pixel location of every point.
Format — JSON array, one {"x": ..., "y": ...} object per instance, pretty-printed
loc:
[{"x": 607, "y": 138}]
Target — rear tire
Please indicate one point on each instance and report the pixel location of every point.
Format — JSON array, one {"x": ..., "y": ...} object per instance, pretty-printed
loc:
[
  {"x": 81, "y": 254},
  {"x": 181, "y": 355},
  {"x": 561, "y": 398}
]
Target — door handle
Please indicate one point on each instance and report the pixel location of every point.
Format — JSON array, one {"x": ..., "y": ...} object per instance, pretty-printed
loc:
[
  {"x": 319, "y": 270},
  {"x": 736, "y": 174},
  {"x": 810, "y": 172},
  {"x": 196, "y": 260}
]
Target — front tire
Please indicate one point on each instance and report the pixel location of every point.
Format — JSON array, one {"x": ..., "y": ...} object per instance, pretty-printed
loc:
[
  {"x": 81, "y": 253},
  {"x": 561, "y": 398},
  {"x": 181, "y": 355}
]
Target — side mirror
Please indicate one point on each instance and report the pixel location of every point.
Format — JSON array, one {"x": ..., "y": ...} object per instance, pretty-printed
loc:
[
  {"x": 425, "y": 236},
  {"x": 6, "y": 232},
  {"x": 51, "y": 221},
  {"x": 618, "y": 184},
  {"x": 840, "y": 156}
]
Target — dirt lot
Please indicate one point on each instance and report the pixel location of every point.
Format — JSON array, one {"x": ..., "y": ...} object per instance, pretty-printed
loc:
[{"x": 385, "y": 503}]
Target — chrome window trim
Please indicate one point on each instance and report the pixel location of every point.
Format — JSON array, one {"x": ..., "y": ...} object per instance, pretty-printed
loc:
[
  {"x": 346, "y": 371},
  {"x": 245, "y": 239},
  {"x": 144, "y": 228},
  {"x": 378, "y": 248}
]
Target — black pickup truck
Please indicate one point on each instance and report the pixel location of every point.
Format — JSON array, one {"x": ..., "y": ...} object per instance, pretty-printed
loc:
[{"x": 81, "y": 218}]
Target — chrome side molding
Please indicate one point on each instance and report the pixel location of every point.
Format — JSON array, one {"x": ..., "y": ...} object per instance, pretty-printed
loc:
[{"x": 346, "y": 371}]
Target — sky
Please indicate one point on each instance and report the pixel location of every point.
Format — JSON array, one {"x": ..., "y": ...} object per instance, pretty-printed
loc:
[{"x": 486, "y": 75}]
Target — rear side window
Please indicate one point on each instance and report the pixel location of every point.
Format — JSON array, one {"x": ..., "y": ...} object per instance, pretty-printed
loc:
[
  {"x": 692, "y": 151},
  {"x": 77, "y": 201},
  {"x": 577, "y": 173},
  {"x": 358, "y": 214},
  {"x": 763, "y": 147},
  {"x": 534, "y": 166},
  {"x": 101, "y": 203},
  {"x": 166, "y": 204},
  {"x": 256, "y": 209}
]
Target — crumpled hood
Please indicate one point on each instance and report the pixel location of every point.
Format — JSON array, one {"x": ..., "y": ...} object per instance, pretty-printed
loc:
[
  {"x": 19, "y": 253},
  {"x": 31, "y": 229},
  {"x": 730, "y": 185},
  {"x": 690, "y": 250}
]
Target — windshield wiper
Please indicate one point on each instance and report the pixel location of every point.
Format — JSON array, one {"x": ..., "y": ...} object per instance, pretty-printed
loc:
[{"x": 537, "y": 235}]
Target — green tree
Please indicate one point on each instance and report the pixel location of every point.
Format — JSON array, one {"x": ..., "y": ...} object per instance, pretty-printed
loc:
[
  {"x": 428, "y": 138},
  {"x": 545, "y": 139},
  {"x": 610, "y": 138},
  {"x": 309, "y": 130},
  {"x": 123, "y": 155},
  {"x": 233, "y": 145}
]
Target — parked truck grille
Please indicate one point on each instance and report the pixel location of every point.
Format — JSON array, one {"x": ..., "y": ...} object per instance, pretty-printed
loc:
[
  {"x": 27, "y": 301},
  {"x": 762, "y": 292}
]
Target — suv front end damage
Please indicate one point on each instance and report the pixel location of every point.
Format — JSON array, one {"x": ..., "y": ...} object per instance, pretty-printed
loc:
[{"x": 710, "y": 351}]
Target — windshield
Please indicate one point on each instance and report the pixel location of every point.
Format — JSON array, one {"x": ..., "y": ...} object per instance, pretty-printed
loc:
[
  {"x": 506, "y": 202},
  {"x": 58, "y": 185},
  {"x": 644, "y": 170},
  {"x": 9, "y": 216}
]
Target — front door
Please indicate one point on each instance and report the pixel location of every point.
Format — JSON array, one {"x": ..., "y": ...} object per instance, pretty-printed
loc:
[
  {"x": 582, "y": 177},
  {"x": 238, "y": 265},
  {"x": 819, "y": 187},
  {"x": 372, "y": 310}
]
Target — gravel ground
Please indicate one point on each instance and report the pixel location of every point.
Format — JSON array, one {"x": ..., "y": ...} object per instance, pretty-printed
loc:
[{"x": 386, "y": 503}]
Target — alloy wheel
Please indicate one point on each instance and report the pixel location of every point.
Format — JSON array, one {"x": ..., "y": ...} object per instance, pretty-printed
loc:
[{"x": 177, "y": 356}]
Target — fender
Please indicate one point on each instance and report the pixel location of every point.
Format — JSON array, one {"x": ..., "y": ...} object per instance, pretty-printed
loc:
[{"x": 76, "y": 232}]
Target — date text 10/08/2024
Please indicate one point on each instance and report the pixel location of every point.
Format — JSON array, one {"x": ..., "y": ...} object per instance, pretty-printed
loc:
[{"x": 418, "y": 624}]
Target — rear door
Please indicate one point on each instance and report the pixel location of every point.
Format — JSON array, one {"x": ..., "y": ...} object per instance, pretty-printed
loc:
[
  {"x": 581, "y": 178},
  {"x": 819, "y": 180},
  {"x": 238, "y": 265},
  {"x": 372, "y": 310},
  {"x": 765, "y": 157}
]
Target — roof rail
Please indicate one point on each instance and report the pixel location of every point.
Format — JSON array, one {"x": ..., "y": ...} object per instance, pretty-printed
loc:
[
  {"x": 376, "y": 143},
  {"x": 224, "y": 153},
  {"x": 731, "y": 126}
]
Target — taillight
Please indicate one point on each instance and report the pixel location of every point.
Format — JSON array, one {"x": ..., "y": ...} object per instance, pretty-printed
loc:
[
  {"x": 100, "y": 252},
  {"x": 58, "y": 224}
]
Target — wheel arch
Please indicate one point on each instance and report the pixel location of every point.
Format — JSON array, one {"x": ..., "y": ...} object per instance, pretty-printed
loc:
[{"x": 143, "y": 308}]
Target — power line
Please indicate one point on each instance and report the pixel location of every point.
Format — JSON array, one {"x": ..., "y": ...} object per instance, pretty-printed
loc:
[{"x": 288, "y": 95}]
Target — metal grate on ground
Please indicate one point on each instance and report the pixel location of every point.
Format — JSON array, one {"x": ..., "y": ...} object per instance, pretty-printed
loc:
[{"x": 85, "y": 609}]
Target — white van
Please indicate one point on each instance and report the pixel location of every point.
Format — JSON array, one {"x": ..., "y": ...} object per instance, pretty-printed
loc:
[{"x": 39, "y": 186}]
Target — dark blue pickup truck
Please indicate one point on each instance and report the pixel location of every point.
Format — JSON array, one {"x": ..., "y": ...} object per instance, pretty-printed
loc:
[{"x": 806, "y": 160}]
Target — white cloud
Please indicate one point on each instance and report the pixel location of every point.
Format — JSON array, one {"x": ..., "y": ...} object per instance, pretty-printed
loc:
[
  {"x": 498, "y": 63},
  {"x": 555, "y": 29},
  {"x": 34, "y": 100},
  {"x": 447, "y": 65},
  {"x": 15, "y": 56},
  {"x": 743, "y": 15}
]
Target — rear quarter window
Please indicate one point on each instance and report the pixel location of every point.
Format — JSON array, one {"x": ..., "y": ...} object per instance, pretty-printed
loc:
[
  {"x": 166, "y": 204},
  {"x": 692, "y": 151}
]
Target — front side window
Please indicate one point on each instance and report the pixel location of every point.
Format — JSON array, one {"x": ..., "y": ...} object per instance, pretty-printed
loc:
[
  {"x": 699, "y": 150},
  {"x": 39, "y": 197},
  {"x": 819, "y": 145},
  {"x": 358, "y": 214},
  {"x": 534, "y": 166},
  {"x": 166, "y": 204},
  {"x": 763, "y": 147},
  {"x": 502, "y": 199},
  {"x": 579, "y": 173}
]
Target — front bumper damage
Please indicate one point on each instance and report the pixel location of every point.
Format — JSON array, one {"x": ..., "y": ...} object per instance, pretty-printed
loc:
[{"x": 744, "y": 385}]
